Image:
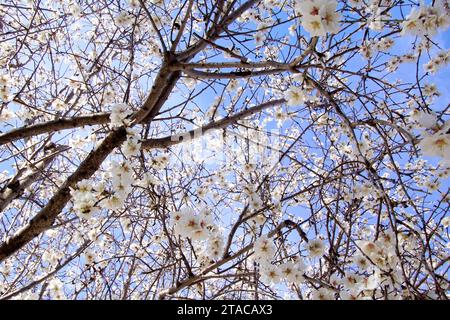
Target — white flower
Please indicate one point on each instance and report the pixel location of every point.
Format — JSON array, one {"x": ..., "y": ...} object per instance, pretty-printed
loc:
[
  {"x": 309, "y": 7},
  {"x": 316, "y": 248},
  {"x": 351, "y": 280},
  {"x": 388, "y": 238},
  {"x": 423, "y": 119},
  {"x": 89, "y": 257},
  {"x": 319, "y": 16},
  {"x": 436, "y": 145},
  {"x": 249, "y": 167},
  {"x": 255, "y": 202},
  {"x": 361, "y": 261},
  {"x": 441, "y": 60},
  {"x": 127, "y": 224},
  {"x": 279, "y": 115},
  {"x": 190, "y": 82},
  {"x": 131, "y": 147},
  {"x": 330, "y": 18},
  {"x": 260, "y": 37},
  {"x": 430, "y": 89},
  {"x": 188, "y": 224},
  {"x": 264, "y": 248},
  {"x": 356, "y": 3},
  {"x": 349, "y": 295},
  {"x": 426, "y": 20},
  {"x": 258, "y": 220},
  {"x": 124, "y": 19},
  {"x": 75, "y": 10},
  {"x": 322, "y": 294},
  {"x": 55, "y": 289},
  {"x": 215, "y": 246},
  {"x": 59, "y": 105},
  {"x": 6, "y": 114},
  {"x": 160, "y": 162},
  {"x": 295, "y": 96},
  {"x": 113, "y": 202},
  {"x": 291, "y": 272},
  {"x": 384, "y": 44},
  {"x": 148, "y": 180},
  {"x": 84, "y": 200},
  {"x": 4, "y": 79},
  {"x": 446, "y": 222},
  {"x": 119, "y": 113},
  {"x": 232, "y": 87},
  {"x": 314, "y": 25},
  {"x": 270, "y": 274},
  {"x": 134, "y": 3},
  {"x": 371, "y": 282},
  {"x": 85, "y": 210},
  {"x": 335, "y": 281},
  {"x": 367, "y": 247}
]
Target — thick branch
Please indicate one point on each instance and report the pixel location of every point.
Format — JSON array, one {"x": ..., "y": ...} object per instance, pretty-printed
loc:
[
  {"x": 16, "y": 188},
  {"x": 45, "y": 218},
  {"x": 214, "y": 125},
  {"x": 54, "y": 125}
]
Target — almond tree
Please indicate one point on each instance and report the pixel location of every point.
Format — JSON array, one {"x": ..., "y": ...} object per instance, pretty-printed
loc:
[{"x": 224, "y": 149}]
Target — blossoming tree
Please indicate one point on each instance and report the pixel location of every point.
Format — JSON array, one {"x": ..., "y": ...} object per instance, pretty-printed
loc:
[{"x": 258, "y": 149}]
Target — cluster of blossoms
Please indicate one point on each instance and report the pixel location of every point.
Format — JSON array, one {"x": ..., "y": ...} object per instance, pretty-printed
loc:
[
  {"x": 160, "y": 161},
  {"x": 395, "y": 62},
  {"x": 135, "y": 3},
  {"x": 121, "y": 177},
  {"x": 6, "y": 114},
  {"x": 427, "y": 20},
  {"x": 233, "y": 85},
  {"x": 121, "y": 174},
  {"x": 52, "y": 257},
  {"x": 376, "y": 265},
  {"x": 351, "y": 257},
  {"x": 75, "y": 10},
  {"x": 382, "y": 45},
  {"x": 132, "y": 146},
  {"x": 254, "y": 200},
  {"x": 378, "y": 14},
  {"x": 319, "y": 17},
  {"x": 188, "y": 224},
  {"x": 316, "y": 248},
  {"x": 85, "y": 199},
  {"x": 430, "y": 90},
  {"x": 119, "y": 114},
  {"x": 423, "y": 119},
  {"x": 59, "y": 105},
  {"x": 215, "y": 245},
  {"x": 435, "y": 140},
  {"x": 363, "y": 191},
  {"x": 55, "y": 289},
  {"x": 200, "y": 228},
  {"x": 124, "y": 19},
  {"x": 291, "y": 272},
  {"x": 381, "y": 252},
  {"x": 436, "y": 144},
  {"x": 259, "y": 37},
  {"x": 438, "y": 62},
  {"x": 264, "y": 249},
  {"x": 4, "y": 88},
  {"x": 295, "y": 96}
]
